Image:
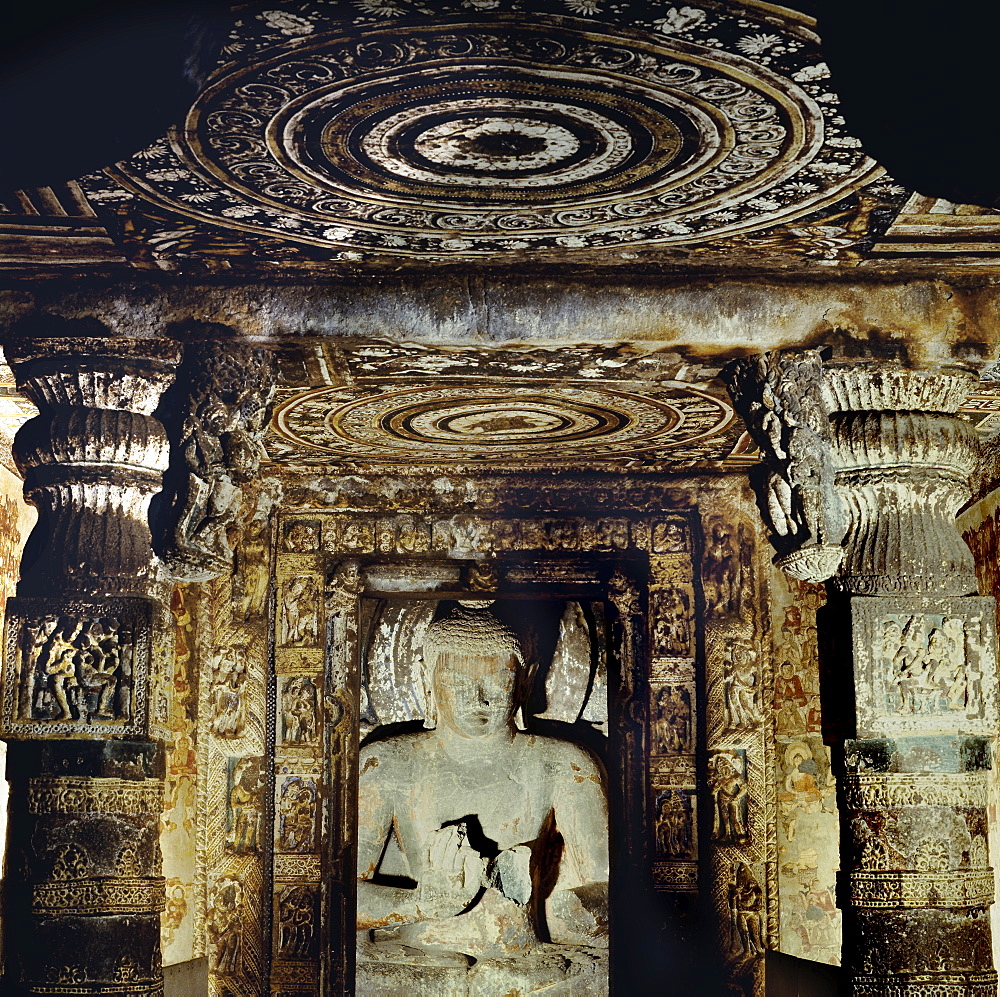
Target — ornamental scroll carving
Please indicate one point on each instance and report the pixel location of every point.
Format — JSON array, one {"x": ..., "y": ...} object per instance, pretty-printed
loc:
[
  {"x": 782, "y": 399},
  {"x": 217, "y": 435}
]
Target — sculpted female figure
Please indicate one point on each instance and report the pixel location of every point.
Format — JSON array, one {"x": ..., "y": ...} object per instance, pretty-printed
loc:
[{"x": 505, "y": 833}]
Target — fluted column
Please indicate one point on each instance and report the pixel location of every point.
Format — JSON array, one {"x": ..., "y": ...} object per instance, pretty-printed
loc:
[
  {"x": 917, "y": 883},
  {"x": 83, "y": 889}
]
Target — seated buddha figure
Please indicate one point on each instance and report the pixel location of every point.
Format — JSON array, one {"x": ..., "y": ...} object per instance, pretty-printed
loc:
[{"x": 504, "y": 832}]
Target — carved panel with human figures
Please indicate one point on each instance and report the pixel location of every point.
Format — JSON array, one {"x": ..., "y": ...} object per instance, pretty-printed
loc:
[
  {"x": 920, "y": 660},
  {"x": 76, "y": 669}
]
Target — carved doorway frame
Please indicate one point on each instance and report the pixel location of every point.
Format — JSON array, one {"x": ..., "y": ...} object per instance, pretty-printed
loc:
[{"x": 648, "y": 565}]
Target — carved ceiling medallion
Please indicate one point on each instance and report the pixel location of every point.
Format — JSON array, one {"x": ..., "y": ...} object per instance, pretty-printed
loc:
[
  {"x": 484, "y": 129},
  {"x": 527, "y": 424}
]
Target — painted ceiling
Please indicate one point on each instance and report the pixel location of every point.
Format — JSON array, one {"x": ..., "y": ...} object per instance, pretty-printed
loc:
[
  {"x": 379, "y": 405},
  {"x": 395, "y": 134}
]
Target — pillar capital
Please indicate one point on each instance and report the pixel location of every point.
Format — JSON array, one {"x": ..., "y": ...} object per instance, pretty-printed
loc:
[
  {"x": 92, "y": 459},
  {"x": 864, "y": 466}
]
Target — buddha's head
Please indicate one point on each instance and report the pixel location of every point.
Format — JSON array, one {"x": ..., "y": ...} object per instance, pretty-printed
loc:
[{"x": 476, "y": 664}]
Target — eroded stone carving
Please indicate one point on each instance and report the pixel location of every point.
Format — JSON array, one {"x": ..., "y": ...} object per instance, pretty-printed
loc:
[
  {"x": 924, "y": 664},
  {"x": 728, "y": 784},
  {"x": 228, "y": 387},
  {"x": 784, "y": 402},
  {"x": 452, "y": 807},
  {"x": 300, "y": 611},
  {"x": 76, "y": 669}
]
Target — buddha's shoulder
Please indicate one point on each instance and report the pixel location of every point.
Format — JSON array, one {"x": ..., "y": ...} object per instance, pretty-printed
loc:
[
  {"x": 393, "y": 750},
  {"x": 557, "y": 753}
]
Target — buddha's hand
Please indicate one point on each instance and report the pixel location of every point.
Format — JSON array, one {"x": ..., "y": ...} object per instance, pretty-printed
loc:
[{"x": 452, "y": 873}]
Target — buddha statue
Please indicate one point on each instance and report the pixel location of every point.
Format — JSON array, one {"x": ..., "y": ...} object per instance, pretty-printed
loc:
[{"x": 504, "y": 834}]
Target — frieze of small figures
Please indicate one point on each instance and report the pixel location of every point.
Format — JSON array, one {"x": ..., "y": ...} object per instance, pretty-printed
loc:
[
  {"x": 441, "y": 494},
  {"x": 956, "y": 888},
  {"x": 673, "y": 770},
  {"x": 885, "y": 790},
  {"x": 285, "y": 972},
  {"x": 923, "y": 663},
  {"x": 295, "y": 661},
  {"x": 925, "y": 985},
  {"x": 76, "y": 669},
  {"x": 84, "y": 795},
  {"x": 102, "y": 895}
]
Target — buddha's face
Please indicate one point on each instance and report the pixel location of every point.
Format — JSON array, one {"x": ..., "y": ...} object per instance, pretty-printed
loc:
[{"x": 475, "y": 695}]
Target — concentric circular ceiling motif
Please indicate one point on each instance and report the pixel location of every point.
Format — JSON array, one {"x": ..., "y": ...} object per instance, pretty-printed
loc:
[
  {"x": 526, "y": 423},
  {"x": 487, "y": 127}
]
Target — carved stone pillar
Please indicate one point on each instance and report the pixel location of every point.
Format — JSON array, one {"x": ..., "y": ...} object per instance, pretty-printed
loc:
[
  {"x": 83, "y": 892},
  {"x": 917, "y": 883}
]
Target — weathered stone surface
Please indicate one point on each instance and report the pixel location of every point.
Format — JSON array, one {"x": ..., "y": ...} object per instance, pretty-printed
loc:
[
  {"x": 501, "y": 835},
  {"x": 84, "y": 893},
  {"x": 92, "y": 458},
  {"x": 216, "y": 419}
]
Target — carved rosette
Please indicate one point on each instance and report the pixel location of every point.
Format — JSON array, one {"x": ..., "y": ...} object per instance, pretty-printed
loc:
[
  {"x": 903, "y": 463},
  {"x": 83, "y": 890},
  {"x": 92, "y": 459}
]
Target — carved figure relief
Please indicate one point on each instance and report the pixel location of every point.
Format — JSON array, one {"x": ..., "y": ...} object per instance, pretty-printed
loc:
[
  {"x": 298, "y": 710},
  {"x": 746, "y": 904},
  {"x": 670, "y": 612},
  {"x": 673, "y": 723},
  {"x": 741, "y": 685},
  {"x": 297, "y": 908},
  {"x": 923, "y": 661},
  {"x": 300, "y": 612},
  {"x": 75, "y": 660},
  {"x": 220, "y": 440},
  {"x": 675, "y": 824},
  {"x": 297, "y": 814},
  {"x": 783, "y": 401},
  {"x": 229, "y": 676},
  {"x": 723, "y": 569},
  {"x": 302, "y": 535},
  {"x": 728, "y": 785},
  {"x": 244, "y": 804},
  {"x": 925, "y": 658},
  {"x": 225, "y": 930},
  {"x": 77, "y": 669}
]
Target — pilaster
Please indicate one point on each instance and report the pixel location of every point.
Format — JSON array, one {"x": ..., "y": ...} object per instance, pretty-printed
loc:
[
  {"x": 84, "y": 890},
  {"x": 917, "y": 883}
]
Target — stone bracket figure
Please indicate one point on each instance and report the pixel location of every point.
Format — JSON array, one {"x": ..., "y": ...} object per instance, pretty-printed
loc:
[
  {"x": 783, "y": 401},
  {"x": 216, "y": 434}
]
